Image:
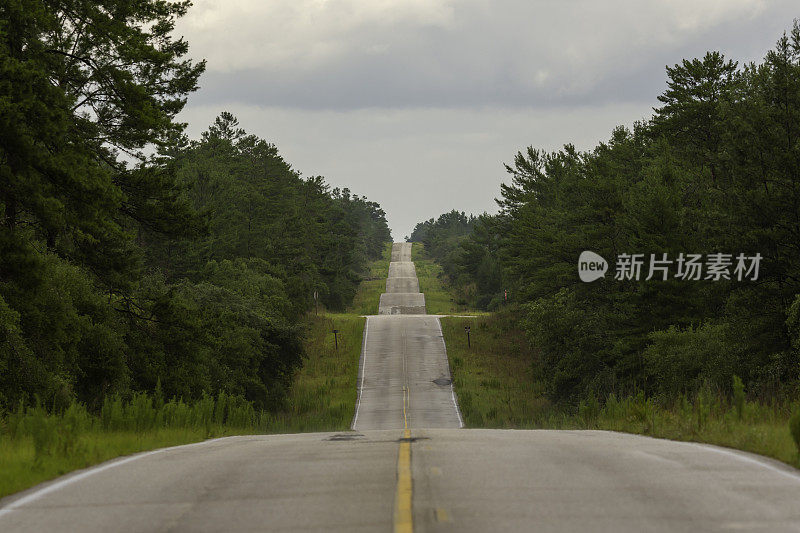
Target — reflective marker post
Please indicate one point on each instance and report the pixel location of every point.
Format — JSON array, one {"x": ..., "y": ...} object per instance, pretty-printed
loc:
[{"x": 466, "y": 328}]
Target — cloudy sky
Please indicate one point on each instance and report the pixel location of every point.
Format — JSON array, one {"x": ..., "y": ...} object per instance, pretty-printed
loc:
[{"x": 417, "y": 103}]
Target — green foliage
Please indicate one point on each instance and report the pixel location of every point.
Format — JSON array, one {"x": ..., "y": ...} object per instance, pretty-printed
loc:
[
  {"x": 441, "y": 241},
  {"x": 59, "y": 324},
  {"x": 137, "y": 266},
  {"x": 794, "y": 427},
  {"x": 682, "y": 361},
  {"x": 493, "y": 377},
  {"x": 82, "y": 82},
  {"x": 188, "y": 270},
  {"x": 497, "y": 387},
  {"x": 367, "y": 297},
  {"x": 738, "y": 396},
  {"x": 439, "y": 298},
  {"x": 314, "y": 238},
  {"x": 713, "y": 171},
  {"x": 442, "y": 235},
  {"x": 37, "y": 444},
  {"x": 588, "y": 410}
]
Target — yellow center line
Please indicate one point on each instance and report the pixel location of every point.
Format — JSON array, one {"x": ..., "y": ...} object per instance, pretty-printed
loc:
[{"x": 403, "y": 517}]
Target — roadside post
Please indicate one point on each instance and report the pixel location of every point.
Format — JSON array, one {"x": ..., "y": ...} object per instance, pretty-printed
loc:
[
  {"x": 466, "y": 328},
  {"x": 336, "y": 338},
  {"x": 316, "y": 296}
]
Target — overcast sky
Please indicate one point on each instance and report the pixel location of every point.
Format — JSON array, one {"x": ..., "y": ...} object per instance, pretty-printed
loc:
[{"x": 418, "y": 103}]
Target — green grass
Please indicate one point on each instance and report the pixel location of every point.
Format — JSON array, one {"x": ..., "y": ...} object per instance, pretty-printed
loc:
[
  {"x": 20, "y": 469},
  {"x": 323, "y": 396},
  {"x": 492, "y": 378},
  {"x": 36, "y": 446},
  {"x": 497, "y": 388},
  {"x": 373, "y": 285}
]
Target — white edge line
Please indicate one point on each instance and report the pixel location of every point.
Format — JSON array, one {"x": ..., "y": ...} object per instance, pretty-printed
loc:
[
  {"x": 742, "y": 457},
  {"x": 452, "y": 389},
  {"x": 16, "y": 504},
  {"x": 361, "y": 371}
]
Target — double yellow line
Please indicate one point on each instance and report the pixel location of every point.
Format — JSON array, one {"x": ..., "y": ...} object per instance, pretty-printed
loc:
[{"x": 403, "y": 516}]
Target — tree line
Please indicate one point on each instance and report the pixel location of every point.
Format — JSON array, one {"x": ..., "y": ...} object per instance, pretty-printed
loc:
[
  {"x": 715, "y": 170},
  {"x": 133, "y": 259}
]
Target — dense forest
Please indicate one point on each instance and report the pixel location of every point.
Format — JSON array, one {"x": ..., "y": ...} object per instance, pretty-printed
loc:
[
  {"x": 715, "y": 170},
  {"x": 133, "y": 259}
]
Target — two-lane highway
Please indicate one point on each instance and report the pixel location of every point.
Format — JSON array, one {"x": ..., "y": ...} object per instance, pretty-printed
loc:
[
  {"x": 404, "y": 360},
  {"x": 407, "y": 467}
]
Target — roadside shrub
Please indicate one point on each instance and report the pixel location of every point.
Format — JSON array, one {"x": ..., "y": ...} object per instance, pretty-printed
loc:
[
  {"x": 203, "y": 412},
  {"x": 703, "y": 405},
  {"x": 14, "y": 420},
  {"x": 738, "y": 396},
  {"x": 240, "y": 412},
  {"x": 72, "y": 424},
  {"x": 63, "y": 434},
  {"x": 43, "y": 430},
  {"x": 588, "y": 410},
  {"x": 139, "y": 413},
  {"x": 794, "y": 427},
  {"x": 641, "y": 410},
  {"x": 220, "y": 408},
  {"x": 612, "y": 409},
  {"x": 176, "y": 413},
  {"x": 112, "y": 414},
  {"x": 683, "y": 360}
]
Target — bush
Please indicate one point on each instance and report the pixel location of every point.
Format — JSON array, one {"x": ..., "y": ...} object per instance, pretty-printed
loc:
[
  {"x": 683, "y": 360},
  {"x": 738, "y": 396},
  {"x": 43, "y": 430},
  {"x": 794, "y": 427},
  {"x": 112, "y": 414},
  {"x": 74, "y": 422},
  {"x": 588, "y": 411}
]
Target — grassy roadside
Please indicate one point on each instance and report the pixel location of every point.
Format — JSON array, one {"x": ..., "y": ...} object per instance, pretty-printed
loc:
[
  {"x": 492, "y": 377},
  {"x": 323, "y": 397},
  {"x": 370, "y": 289},
  {"x": 496, "y": 388},
  {"x": 20, "y": 468},
  {"x": 36, "y": 447}
]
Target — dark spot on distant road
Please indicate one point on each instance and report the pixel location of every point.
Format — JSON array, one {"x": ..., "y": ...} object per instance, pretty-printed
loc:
[
  {"x": 412, "y": 439},
  {"x": 442, "y": 381},
  {"x": 346, "y": 436}
]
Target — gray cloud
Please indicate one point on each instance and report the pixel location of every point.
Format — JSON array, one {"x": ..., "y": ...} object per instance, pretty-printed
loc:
[
  {"x": 417, "y": 103},
  {"x": 418, "y": 163},
  {"x": 517, "y": 53}
]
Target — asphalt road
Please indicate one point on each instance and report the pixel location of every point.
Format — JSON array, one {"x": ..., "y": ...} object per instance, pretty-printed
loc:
[
  {"x": 404, "y": 377},
  {"x": 463, "y": 480},
  {"x": 402, "y": 469}
]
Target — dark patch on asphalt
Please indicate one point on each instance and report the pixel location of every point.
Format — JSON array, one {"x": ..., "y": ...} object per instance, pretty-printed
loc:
[
  {"x": 443, "y": 381},
  {"x": 412, "y": 439},
  {"x": 346, "y": 436}
]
